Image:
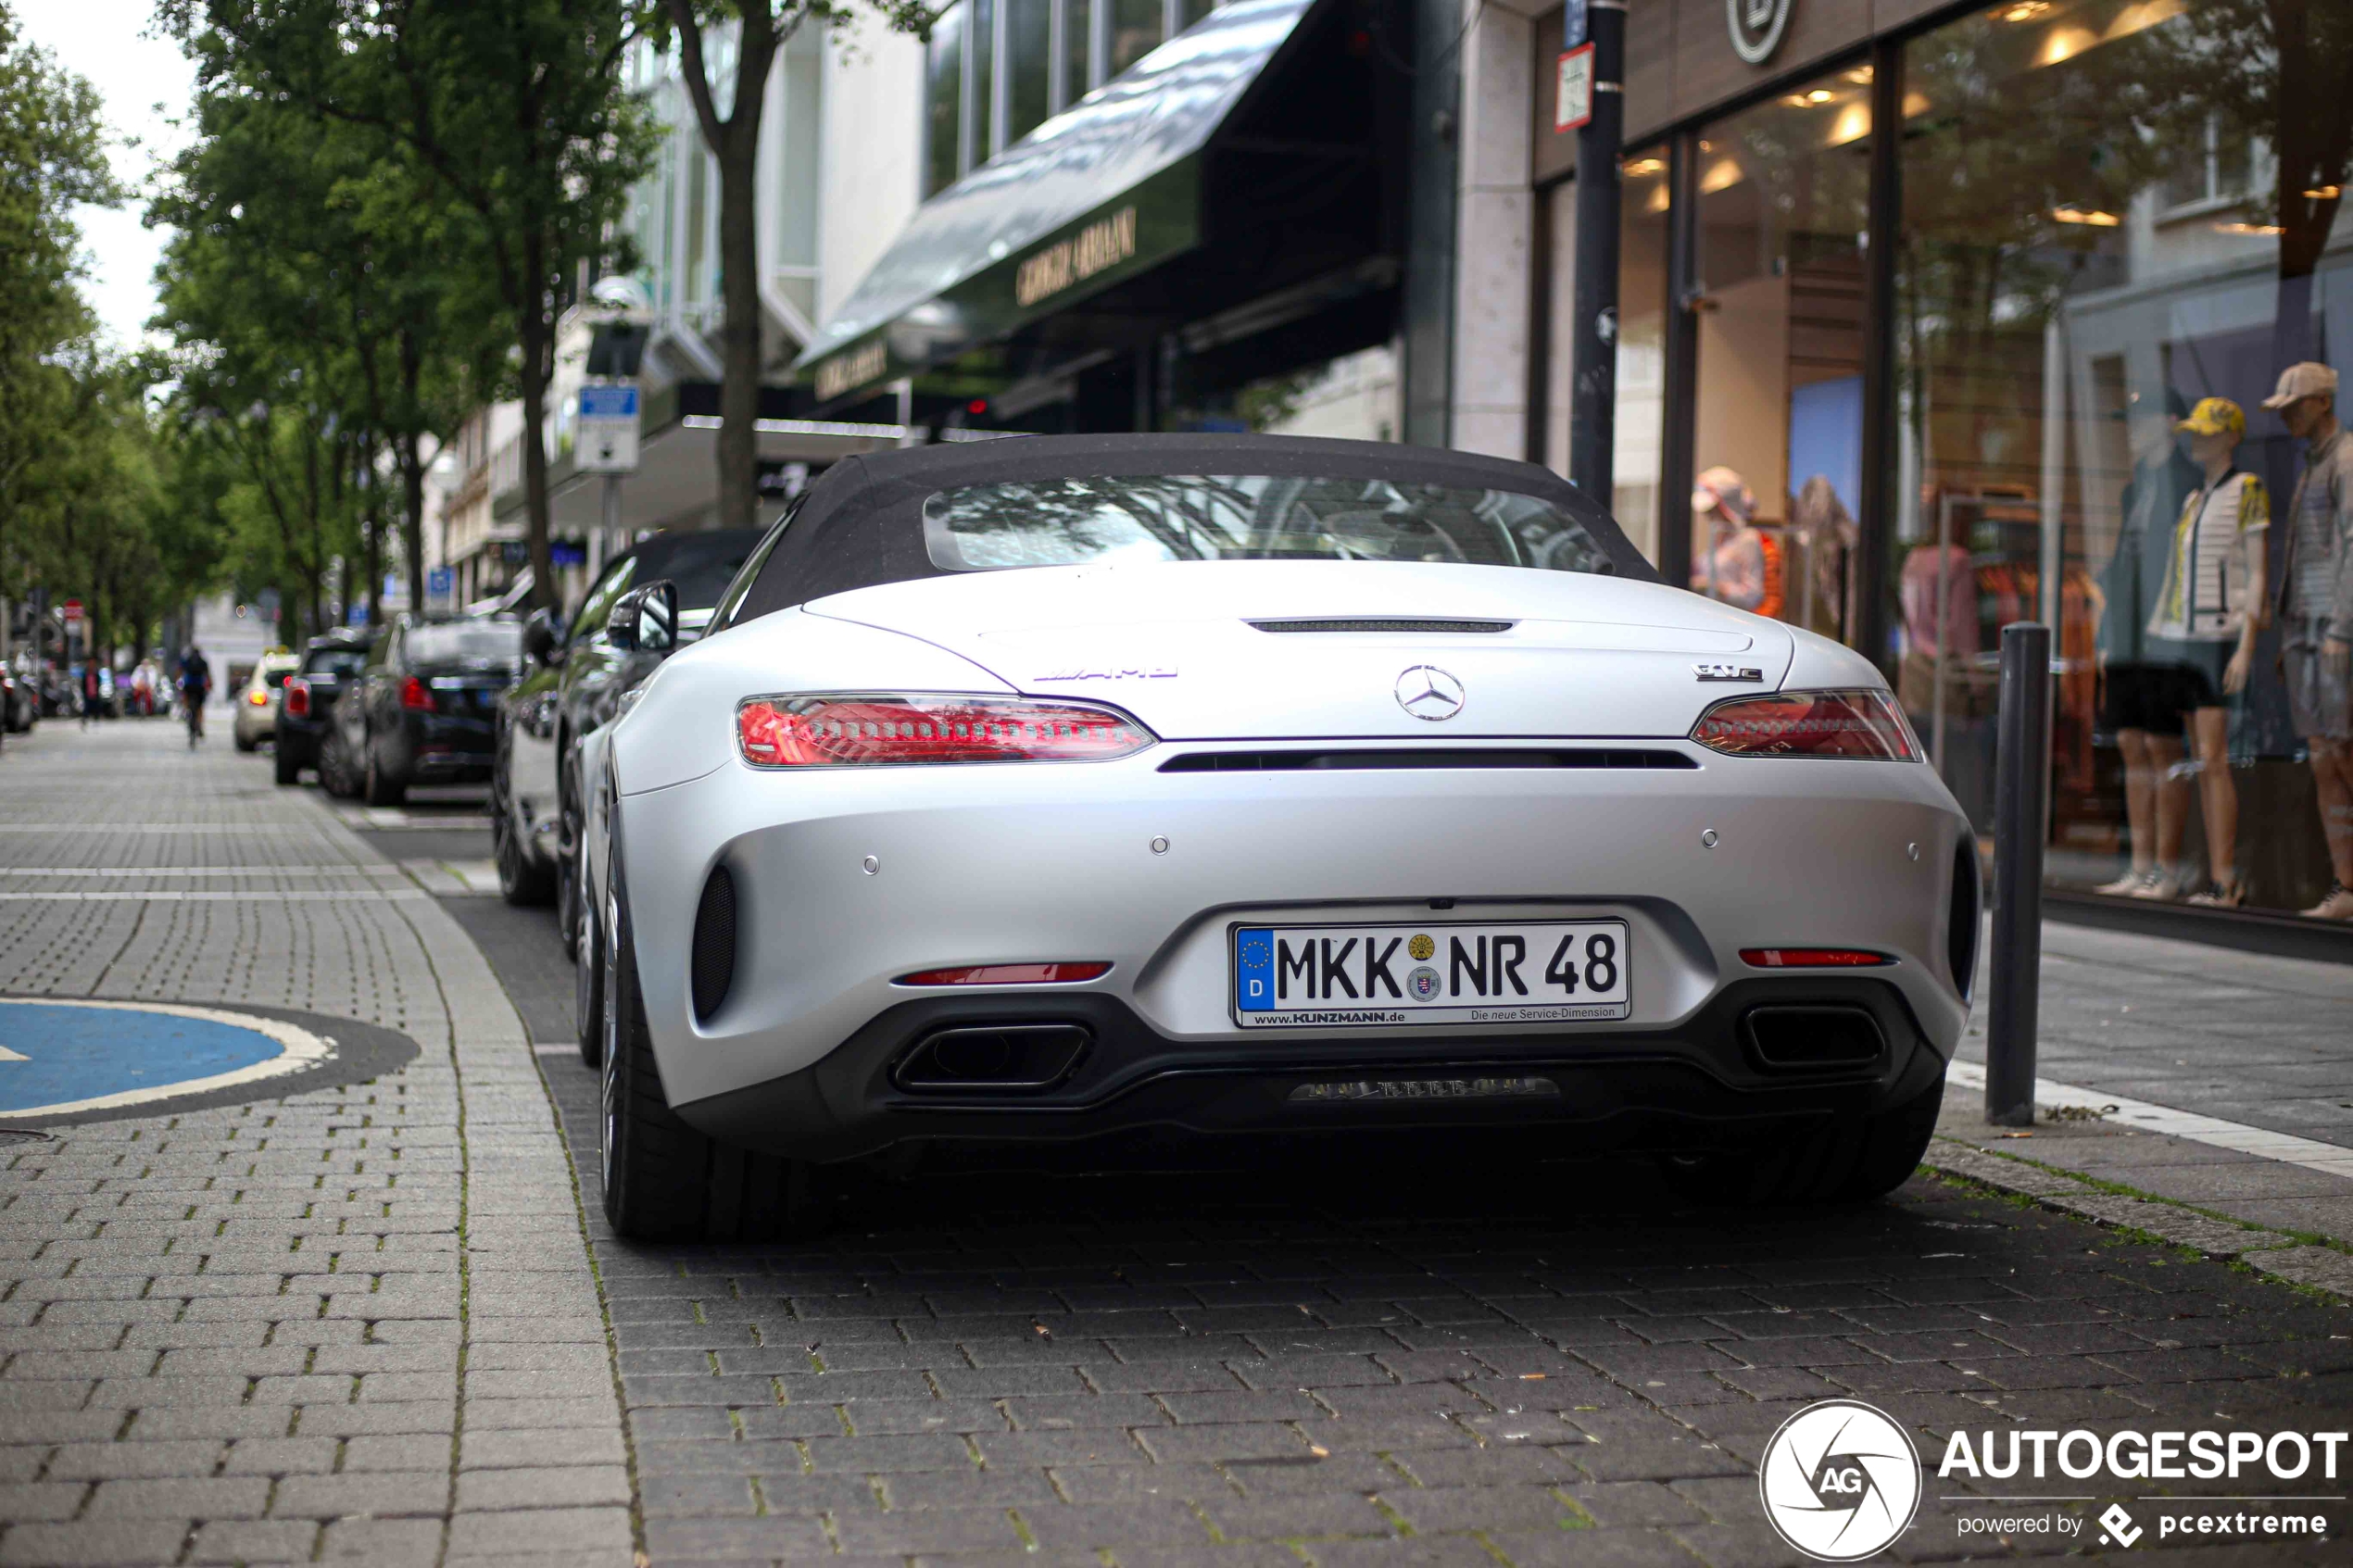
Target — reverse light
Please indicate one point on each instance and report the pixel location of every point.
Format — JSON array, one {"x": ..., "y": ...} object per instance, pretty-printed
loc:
[
  {"x": 1862, "y": 723},
  {"x": 842, "y": 730},
  {"x": 1812, "y": 957},
  {"x": 415, "y": 694},
  {"x": 1007, "y": 975},
  {"x": 297, "y": 695}
]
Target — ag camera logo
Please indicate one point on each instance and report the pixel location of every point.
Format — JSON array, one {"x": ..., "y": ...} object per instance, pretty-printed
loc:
[{"x": 1840, "y": 1481}]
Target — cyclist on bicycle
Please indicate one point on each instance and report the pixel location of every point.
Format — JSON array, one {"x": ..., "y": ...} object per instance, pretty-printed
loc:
[{"x": 196, "y": 683}]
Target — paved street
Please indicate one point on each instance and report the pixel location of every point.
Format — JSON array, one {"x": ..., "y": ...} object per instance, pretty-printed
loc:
[{"x": 387, "y": 1321}]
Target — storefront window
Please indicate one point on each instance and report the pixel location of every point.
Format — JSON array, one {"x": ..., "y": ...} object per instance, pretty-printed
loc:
[
  {"x": 1077, "y": 48},
  {"x": 1641, "y": 421},
  {"x": 2118, "y": 233},
  {"x": 979, "y": 90},
  {"x": 1784, "y": 196}
]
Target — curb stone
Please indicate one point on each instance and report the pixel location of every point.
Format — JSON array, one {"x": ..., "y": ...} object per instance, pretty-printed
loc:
[{"x": 2278, "y": 1253}]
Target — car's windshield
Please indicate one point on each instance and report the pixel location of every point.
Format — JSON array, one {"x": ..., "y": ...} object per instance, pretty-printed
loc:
[
  {"x": 1189, "y": 517},
  {"x": 483, "y": 643}
]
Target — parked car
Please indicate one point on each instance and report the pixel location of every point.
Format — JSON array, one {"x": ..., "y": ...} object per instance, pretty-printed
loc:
[
  {"x": 306, "y": 700},
  {"x": 1083, "y": 785},
  {"x": 423, "y": 708},
  {"x": 255, "y": 718},
  {"x": 23, "y": 700},
  {"x": 576, "y": 681}
]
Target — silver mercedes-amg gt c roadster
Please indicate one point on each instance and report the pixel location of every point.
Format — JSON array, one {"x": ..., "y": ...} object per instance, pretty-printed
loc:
[{"x": 1078, "y": 786}]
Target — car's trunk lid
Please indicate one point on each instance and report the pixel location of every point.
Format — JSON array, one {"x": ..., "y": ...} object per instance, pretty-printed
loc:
[{"x": 1328, "y": 649}]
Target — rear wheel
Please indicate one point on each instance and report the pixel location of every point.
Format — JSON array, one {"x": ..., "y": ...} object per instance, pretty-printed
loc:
[
  {"x": 664, "y": 1181},
  {"x": 379, "y": 788},
  {"x": 1845, "y": 1162},
  {"x": 523, "y": 880},
  {"x": 587, "y": 978},
  {"x": 244, "y": 742},
  {"x": 569, "y": 924}
]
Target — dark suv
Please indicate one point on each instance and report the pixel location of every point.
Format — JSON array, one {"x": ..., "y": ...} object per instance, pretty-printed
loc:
[
  {"x": 307, "y": 701},
  {"x": 425, "y": 707}
]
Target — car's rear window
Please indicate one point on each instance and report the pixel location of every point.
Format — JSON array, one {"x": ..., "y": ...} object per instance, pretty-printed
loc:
[
  {"x": 334, "y": 661},
  {"x": 483, "y": 643},
  {"x": 276, "y": 678},
  {"x": 1072, "y": 521}
]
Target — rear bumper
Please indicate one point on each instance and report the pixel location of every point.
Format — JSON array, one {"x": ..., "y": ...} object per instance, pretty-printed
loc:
[
  {"x": 1701, "y": 1085},
  {"x": 1034, "y": 864},
  {"x": 441, "y": 749},
  {"x": 298, "y": 740}
]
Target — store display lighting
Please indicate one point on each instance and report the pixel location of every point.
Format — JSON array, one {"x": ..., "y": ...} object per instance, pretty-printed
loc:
[
  {"x": 1814, "y": 98},
  {"x": 2025, "y": 10},
  {"x": 1860, "y": 76},
  {"x": 2324, "y": 192},
  {"x": 2094, "y": 217},
  {"x": 2259, "y": 230},
  {"x": 1642, "y": 168}
]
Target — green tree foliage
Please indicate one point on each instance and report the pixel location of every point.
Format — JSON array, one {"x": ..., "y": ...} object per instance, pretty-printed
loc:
[
  {"x": 514, "y": 113},
  {"x": 728, "y": 108}
]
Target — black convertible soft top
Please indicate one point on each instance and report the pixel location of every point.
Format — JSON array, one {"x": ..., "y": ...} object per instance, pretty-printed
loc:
[{"x": 862, "y": 523}]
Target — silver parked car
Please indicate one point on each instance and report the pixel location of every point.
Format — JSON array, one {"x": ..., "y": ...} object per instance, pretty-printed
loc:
[
  {"x": 255, "y": 718},
  {"x": 1077, "y": 785}
]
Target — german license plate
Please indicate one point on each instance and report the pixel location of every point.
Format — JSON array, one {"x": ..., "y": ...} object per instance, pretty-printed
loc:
[{"x": 1347, "y": 976}]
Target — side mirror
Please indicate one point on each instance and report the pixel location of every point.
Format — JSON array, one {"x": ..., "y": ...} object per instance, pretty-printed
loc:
[
  {"x": 542, "y": 639},
  {"x": 646, "y": 619}
]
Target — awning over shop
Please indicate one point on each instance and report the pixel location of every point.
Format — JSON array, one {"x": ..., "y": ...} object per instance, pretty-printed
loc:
[{"x": 1106, "y": 190}]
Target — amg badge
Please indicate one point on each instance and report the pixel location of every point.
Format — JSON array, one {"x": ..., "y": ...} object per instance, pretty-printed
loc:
[{"x": 1717, "y": 670}]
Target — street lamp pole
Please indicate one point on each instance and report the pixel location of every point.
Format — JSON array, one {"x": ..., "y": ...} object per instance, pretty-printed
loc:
[{"x": 1593, "y": 427}]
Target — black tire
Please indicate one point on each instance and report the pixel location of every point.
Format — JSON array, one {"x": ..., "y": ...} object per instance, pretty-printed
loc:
[
  {"x": 242, "y": 744},
  {"x": 663, "y": 1181},
  {"x": 285, "y": 767},
  {"x": 378, "y": 789},
  {"x": 587, "y": 980},
  {"x": 523, "y": 881},
  {"x": 1844, "y": 1162},
  {"x": 568, "y": 898}
]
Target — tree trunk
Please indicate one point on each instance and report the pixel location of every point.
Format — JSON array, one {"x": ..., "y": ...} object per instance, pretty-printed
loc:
[
  {"x": 412, "y": 518},
  {"x": 734, "y": 143},
  {"x": 372, "y": 547},
  {"x": 412, "y": 472},
  {"x": 537, "y": 333}
]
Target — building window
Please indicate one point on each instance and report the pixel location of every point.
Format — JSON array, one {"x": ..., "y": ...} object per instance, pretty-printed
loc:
[
  {"x": 980, "y": 98},
  {"x": 794, "y": 264},
  {"x": 1641, "y": 421},
  {"x": 1134, "y": 31},
  {"x": 1029, "y": 27},
  {"x": 943, "y": 102},
  {"x": 2225, "y": 172}
]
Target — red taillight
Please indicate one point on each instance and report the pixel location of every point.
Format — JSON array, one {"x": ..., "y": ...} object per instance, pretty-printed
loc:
[
  {"x": 1845, "y": 724},
  {"x": 1812, "y": 957},
  {"x": 259, "y": 699},
  {"x": 415, "y": 694},
  {"x": 1007, "y": 975},
  {"x": 852, "y": 730},
  {"x": 298, "y": 692}
]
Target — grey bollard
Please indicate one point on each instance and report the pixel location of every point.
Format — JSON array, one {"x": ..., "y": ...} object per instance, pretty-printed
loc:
[{"x": 2021, "y": 791}]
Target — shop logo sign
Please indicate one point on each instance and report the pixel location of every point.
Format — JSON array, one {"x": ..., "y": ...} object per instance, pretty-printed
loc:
[
  {"x": 1105, "y": 243},
  {"x": 855, "y": 369},
  {"x": 1840, "y": 1481},
  {"x": 2119, "y": 1524},
  {"x": 1756, "y": 27}
]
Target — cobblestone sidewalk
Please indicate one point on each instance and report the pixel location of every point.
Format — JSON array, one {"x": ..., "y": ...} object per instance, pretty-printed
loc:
[{"x": 353, "y": 1324}]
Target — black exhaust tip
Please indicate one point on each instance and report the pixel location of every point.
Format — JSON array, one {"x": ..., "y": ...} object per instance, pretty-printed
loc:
[
  {"x": 1813, "y": 1039},
  {"x": 993, "y": 1058}
]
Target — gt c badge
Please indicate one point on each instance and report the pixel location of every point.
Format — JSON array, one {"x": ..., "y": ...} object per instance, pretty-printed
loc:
[
  {"x": 1426, "y": 692},
  {"x": 1716, "y": 670}
]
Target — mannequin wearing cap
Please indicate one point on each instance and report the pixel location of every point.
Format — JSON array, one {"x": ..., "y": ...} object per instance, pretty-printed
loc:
[
  {"x": 2201, "y": 636},
  {"x": 2133, "y": 703},
  {"x": 1730, "y": 566},
  {"x": 2315, "y": 610}
]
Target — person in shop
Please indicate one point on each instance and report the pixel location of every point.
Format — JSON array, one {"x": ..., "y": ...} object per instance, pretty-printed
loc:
[
  {"x": 1730, "y": 566},
  {"x": 2136, "y": 703},
  {"x": 2202, "y": 630},
  {"x": 2315, "y": 610}
]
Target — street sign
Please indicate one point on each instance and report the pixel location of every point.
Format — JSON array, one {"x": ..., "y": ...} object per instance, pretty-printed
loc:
[
  {"x": 72, "y": 610},
  {"x": 1573, "y": 93},
  {"x": 605, "y": 439}
]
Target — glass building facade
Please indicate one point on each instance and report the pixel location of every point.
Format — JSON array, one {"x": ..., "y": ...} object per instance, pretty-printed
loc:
[{"x": 1985, "y": 319}]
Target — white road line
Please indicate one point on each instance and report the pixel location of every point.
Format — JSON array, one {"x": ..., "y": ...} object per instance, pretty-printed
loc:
[
  {"x": 2327, "y": 1157},
  {"x": 199, "y": 870},
  {"x": 198, "y": 896}
]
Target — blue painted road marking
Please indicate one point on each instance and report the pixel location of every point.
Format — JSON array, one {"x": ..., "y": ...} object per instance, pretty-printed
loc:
[{"x": 58, "y": 1056}]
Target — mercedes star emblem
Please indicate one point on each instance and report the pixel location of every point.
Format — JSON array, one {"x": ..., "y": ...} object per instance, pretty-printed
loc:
[{"x": 1426, "y": 692}]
